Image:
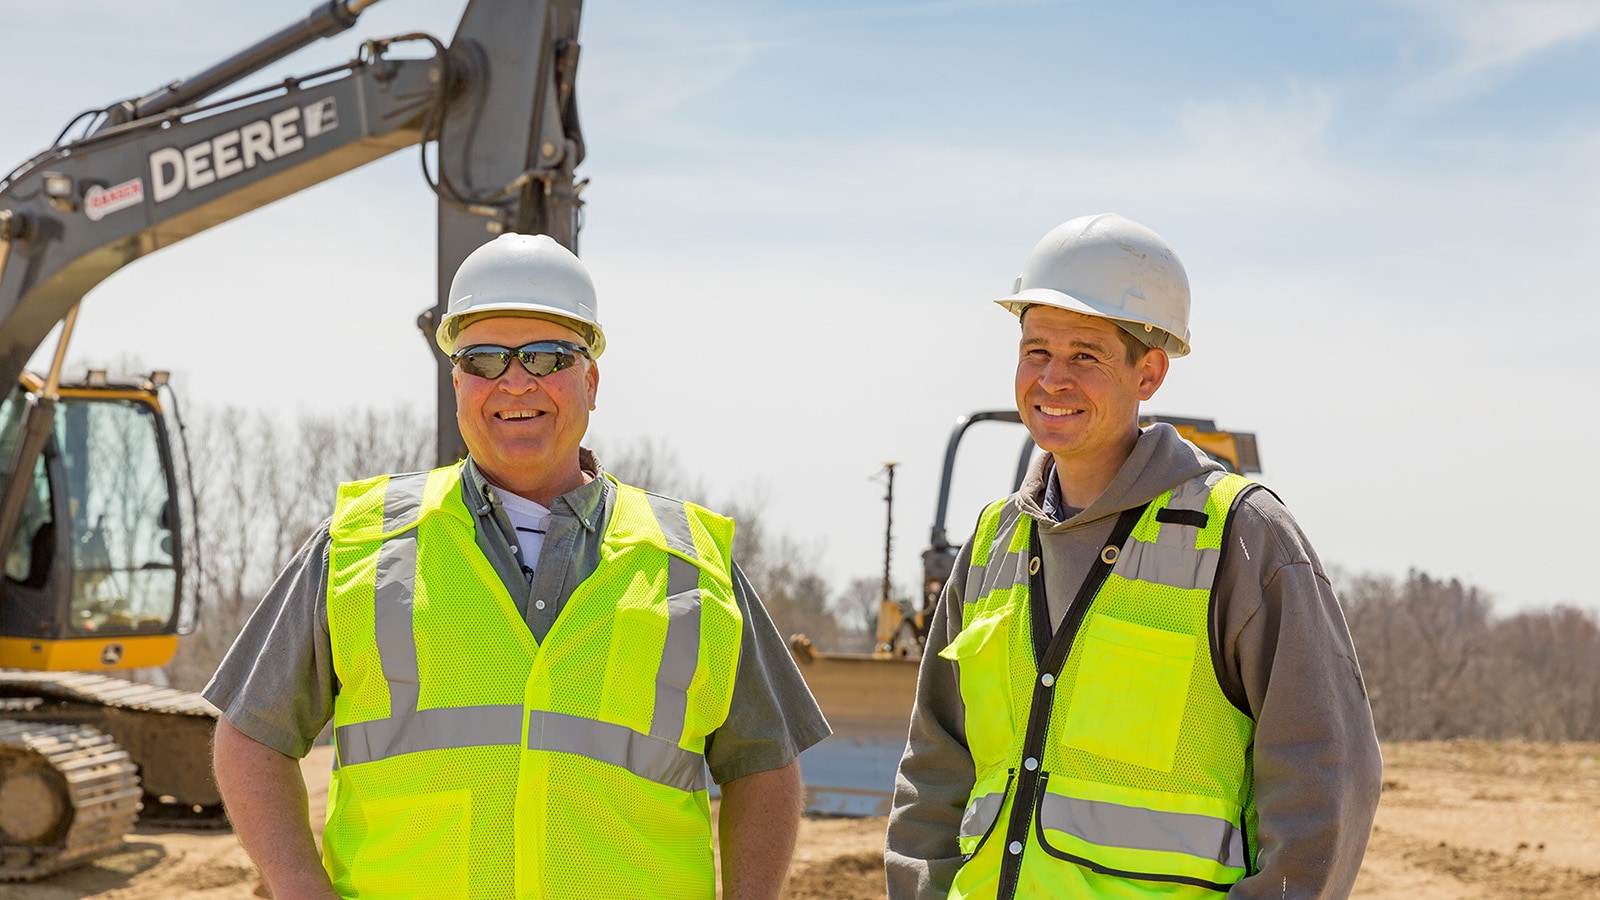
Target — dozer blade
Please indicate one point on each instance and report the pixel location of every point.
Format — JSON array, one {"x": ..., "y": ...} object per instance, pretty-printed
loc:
[{"x": 867, "y": 700}]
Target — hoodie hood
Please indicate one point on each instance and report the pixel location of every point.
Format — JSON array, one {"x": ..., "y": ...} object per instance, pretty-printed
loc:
[{"x": 1161, "y": 460}]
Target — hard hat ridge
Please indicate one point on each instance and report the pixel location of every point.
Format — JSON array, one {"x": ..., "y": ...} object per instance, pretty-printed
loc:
[
  {"x": 529, "y": 275},
  {"x": 1114, "y": 268}
]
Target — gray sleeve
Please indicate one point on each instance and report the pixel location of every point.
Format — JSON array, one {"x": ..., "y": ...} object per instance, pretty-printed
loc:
[
  {"x": 773, "y": 716},
  {"x": 276, "y": 683},
  {"x": 921, "y": 853},
  {"x": 1318, "y": 770}
]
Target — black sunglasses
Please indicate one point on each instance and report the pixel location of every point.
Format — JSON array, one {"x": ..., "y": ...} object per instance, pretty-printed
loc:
[{"x": 539, "y": 358}]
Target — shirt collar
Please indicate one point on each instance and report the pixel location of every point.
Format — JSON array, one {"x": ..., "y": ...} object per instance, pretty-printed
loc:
[
  {"x": 586, "y": 502},
  {"x": 1054, "y": 508}
]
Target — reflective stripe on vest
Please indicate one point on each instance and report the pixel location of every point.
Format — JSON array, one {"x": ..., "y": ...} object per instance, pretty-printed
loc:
[
  {"x": 1109, "y": 812},
  {"x": 478, "y": 761}
]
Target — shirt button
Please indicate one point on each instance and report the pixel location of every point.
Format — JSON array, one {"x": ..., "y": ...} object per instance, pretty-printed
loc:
[
  {"x": 1015, "y": 848},
  {"x": 538, "y": 604},
  {"x": 1030, "y": 764},
  {"x": 1047, "y": 679}
]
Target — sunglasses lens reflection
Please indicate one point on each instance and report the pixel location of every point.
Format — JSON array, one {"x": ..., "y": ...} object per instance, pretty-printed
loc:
[
  {"x": 541, "y": 362},
  {"x": 484, "y": 363}
]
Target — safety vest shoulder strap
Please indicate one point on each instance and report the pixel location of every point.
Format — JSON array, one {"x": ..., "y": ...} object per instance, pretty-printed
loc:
[
  {"x": 999, "y": 553},
  {"x": 375, "y": 509}
]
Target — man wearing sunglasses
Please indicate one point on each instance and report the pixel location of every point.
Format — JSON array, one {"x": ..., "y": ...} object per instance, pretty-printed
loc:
[
  {"x": 1138, "y": 681},
  {"x": 528, "y": 665}
]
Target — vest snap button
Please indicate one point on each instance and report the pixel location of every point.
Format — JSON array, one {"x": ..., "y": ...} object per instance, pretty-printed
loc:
[
  {"x": 1015, "y": 848},
  {"x": 1033, "y": 566},
  {"x": 1030, "y": 764},
  {"x": 1108, "y": 555},
  {"x": 1047, "y": 679}
]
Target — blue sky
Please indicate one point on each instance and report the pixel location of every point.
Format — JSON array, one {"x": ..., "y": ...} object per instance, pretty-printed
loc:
[{"x": 1389, "y": 212}]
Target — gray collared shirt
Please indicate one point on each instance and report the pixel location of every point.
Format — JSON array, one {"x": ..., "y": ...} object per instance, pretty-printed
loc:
[{"x": 571, "y": 550}]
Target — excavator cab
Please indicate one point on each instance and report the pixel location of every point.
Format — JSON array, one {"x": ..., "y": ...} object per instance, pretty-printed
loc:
[{"x": 93, "y": 575}]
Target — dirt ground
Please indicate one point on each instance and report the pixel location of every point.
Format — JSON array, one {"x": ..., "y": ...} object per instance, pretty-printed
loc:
[{"x": 1459, "y": 819}]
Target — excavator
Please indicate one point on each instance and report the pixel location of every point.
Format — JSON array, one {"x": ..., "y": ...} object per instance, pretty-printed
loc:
[
  {"x": 91, "y": 511},
  {"x": 867, "y": 697}
]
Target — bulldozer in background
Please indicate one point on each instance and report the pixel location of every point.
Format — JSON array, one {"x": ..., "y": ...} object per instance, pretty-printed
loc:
[{"x": 867, "y": 697}]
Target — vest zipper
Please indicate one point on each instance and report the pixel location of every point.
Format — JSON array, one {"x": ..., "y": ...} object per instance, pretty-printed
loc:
[{"x": 1055, "y": 656}]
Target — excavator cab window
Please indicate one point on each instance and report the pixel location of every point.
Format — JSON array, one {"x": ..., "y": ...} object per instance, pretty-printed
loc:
[
  {"x": 27, "y": 561},
  {"x": 124, "y": 575}
]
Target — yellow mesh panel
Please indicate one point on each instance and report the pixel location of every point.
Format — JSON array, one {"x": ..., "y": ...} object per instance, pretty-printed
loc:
[
  {"x": 352, "y": 567},
  {"x": 355, "y": 653},
  {"x": 1146, "y": 529},
  {"x": 1021, "y": 538},
  {"x": 713, "y": 537},
  {"x": 1217, "y": 507},
  {"x": 635, "y": 632},
  {"x": 360, "y": 509},
  {"x": 721, "y": 623},
  {"x": 443, "y": 811},
  {"x": 983, "y": 538},
  {"x": 472, "y": 646},
  {"x": 605, "y": 833}
]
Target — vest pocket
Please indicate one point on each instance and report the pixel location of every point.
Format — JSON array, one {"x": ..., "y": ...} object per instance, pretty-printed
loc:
[
  {"x": 980, "y": 652},
  {"x": 412, "y": 835},
  {"x": 1131, "y": 688}
]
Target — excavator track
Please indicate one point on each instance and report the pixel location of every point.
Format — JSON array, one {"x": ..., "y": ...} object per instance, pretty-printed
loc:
[
  {"x": 166, "y": 733},
  {"x": 67, "y": 794}
]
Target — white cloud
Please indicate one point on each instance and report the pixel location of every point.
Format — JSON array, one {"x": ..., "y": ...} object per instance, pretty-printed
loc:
[{"x": 1493, "y": 37}]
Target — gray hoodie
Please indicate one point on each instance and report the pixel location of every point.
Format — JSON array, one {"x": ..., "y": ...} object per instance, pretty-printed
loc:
[{"x": 1286, "y": 653}]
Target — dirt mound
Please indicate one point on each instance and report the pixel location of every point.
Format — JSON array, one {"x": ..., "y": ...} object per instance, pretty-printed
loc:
[
  {"x": 851, "y": 875},
  {"x": 1495, "y": 874}
]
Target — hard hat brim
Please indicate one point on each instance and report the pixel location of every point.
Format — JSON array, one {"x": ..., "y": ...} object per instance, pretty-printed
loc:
[
  {"x": 451, "y": 327},
  {"x": 1017, "y": 303}
]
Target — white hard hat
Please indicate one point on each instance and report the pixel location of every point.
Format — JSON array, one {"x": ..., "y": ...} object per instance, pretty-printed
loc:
[
  {"x": 529, "y": 275},
  {"x": 1114, "y": 268}
]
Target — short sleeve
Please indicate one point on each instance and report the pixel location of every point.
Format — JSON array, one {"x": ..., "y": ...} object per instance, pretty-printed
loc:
[
  {"x": 276, "y": 683},
  {"x": 773, "y": 716}
]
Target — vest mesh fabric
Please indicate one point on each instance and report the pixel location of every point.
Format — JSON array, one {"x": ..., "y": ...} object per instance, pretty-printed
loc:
[{"x": 506, "y": 820}]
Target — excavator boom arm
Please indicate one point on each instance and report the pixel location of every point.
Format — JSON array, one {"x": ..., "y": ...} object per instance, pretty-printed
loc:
[{"x": 498, "y": 102}]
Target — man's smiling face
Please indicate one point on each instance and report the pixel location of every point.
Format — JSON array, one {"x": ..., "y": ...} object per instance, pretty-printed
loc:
[
  {"x": 1076, "y": 390},
  {"x": 523, "y": 430}
]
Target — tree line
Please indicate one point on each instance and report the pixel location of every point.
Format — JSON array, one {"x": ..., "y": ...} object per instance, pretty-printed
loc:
[{"x": 1439, "y": 662}]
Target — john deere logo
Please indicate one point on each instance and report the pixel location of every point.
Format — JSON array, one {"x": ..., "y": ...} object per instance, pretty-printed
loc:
[{"x": 111, "y": 654}]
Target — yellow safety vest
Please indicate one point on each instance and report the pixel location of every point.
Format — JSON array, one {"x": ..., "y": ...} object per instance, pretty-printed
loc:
[
  {"x": 1115, "y": 766},
  {"x": 475, "y": 761}
]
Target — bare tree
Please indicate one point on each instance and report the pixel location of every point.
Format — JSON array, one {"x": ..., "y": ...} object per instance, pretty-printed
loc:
[
  {"x": 1439, "y": 664},
  {"x": 785, "y": 572},
  {"x": 262, "y": 485}
]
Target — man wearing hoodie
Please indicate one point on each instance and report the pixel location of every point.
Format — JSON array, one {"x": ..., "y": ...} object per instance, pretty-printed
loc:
[{"x": 1138, "y": 681}]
